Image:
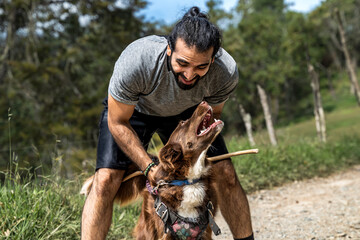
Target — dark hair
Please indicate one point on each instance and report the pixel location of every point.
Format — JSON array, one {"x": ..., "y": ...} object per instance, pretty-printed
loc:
[{"x": 196, "y": 30}]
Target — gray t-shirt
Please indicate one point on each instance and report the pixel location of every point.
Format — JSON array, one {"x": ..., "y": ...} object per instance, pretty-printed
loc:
[{"x": 143, "y": 78}]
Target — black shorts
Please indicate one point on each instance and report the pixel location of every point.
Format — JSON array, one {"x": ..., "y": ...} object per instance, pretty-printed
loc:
[{"x": 109, "y": 154}]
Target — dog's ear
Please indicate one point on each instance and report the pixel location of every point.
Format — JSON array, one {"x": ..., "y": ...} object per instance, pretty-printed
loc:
[{"x": 169, "y": 154}]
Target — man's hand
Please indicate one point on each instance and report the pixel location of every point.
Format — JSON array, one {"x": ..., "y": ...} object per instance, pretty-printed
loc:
[
  {"x": 152, "y": 175},
  {"x": 152, "y": 171}
]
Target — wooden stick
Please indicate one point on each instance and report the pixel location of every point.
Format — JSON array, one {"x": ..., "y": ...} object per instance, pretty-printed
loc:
[
  {"x": 211, "y": 159},
  {"x": 233, "y": 154},
  {"x": 134, "y": 174}
]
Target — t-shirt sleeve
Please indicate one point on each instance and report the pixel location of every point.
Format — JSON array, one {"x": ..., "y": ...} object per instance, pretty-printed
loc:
[
  {"x": 126, "y": 81},
  {"x": 224, "y": 90}
]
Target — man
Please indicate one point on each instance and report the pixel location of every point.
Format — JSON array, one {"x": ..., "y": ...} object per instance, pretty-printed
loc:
[{"x": 156, "y": 83}]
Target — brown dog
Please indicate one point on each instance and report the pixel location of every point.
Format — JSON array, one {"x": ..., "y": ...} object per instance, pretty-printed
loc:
[{"x": 176, "y": 205}]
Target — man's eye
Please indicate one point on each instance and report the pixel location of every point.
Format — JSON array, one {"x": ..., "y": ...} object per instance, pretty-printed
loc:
[
  {"x": 202, "y": 67},
  {"x": 182, "y": 64}
]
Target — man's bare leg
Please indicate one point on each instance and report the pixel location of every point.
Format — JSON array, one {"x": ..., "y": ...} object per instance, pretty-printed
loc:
[
  {"x": 232, "y": 200},
  {"x": 98, "y": 208}
]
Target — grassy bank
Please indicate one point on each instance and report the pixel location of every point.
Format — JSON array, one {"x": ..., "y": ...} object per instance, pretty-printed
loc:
[
  {"x": 44, "y": 208},
  {"x": 299, "y": 154},
  {"x": 304, "y": 159}
]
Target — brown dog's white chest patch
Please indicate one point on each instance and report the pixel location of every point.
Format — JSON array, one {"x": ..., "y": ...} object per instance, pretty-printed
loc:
[
  {"x": 193, "y": 197},
  {"x": 194, "y": 194}
]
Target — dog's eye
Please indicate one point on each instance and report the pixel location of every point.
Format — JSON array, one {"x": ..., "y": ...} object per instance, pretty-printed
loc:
[{"x": 189, "y": 144}]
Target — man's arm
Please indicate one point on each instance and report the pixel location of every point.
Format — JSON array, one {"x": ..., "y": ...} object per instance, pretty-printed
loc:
[
  {"x": 217, "y": 110},
  {"x": 125, "y": 136}
]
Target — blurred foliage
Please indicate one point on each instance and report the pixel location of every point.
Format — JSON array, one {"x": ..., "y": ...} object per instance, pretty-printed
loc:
[
  {"x": 56, "y": 58},
  {"x": 56, "y": 61},
  {"x": 272, "y": 45}
]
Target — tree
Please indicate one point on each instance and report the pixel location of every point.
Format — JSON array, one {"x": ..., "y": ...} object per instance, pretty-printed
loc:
[
  {"x": 216, "y": 14},
  {"x": 318, "y": 109},
  {"x": 333, "y": 27},
  {"x": 55, "y": 68},
  {"x": 259, "y": 39},
  {"x": 349, "y": 63}
]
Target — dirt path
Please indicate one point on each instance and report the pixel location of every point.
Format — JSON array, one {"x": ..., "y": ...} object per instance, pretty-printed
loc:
[{"x": 320, "y": 208}]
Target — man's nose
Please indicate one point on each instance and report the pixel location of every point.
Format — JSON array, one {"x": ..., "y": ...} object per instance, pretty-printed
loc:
[{"x": 189, "y": 74}]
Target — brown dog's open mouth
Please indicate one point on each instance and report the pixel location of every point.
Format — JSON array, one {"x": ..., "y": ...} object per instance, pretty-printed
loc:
[{"x": 208, "y": 123}]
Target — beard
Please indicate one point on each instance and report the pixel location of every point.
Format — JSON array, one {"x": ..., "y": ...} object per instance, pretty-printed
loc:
[
  {"x": 177, "y": 77},
  {"x": 182, "y": 85}
]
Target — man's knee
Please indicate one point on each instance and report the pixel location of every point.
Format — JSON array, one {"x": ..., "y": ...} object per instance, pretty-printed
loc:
[{"x": 107, "y": 182}]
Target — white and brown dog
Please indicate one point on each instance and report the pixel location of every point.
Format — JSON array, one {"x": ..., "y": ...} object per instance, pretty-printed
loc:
[{"x": 179, "y": 202}]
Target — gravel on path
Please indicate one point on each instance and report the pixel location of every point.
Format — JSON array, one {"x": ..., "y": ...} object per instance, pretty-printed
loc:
[{"x": 315, "y": 209}]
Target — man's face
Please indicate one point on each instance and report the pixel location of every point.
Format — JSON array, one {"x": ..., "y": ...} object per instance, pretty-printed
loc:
[{"x": 188, "y": 64}]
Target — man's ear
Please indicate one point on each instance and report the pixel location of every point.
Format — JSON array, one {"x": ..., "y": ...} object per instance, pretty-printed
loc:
[{"x": 168, "y": 50}]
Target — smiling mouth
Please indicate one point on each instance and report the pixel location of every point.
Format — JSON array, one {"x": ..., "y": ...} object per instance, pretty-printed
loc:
[
  {"x": 208, "y": 123},
  {"x": 186, "y": 81}
]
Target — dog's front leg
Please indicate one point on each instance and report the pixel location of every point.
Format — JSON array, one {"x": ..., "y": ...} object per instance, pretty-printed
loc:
[{"x": 168, "y": 237}]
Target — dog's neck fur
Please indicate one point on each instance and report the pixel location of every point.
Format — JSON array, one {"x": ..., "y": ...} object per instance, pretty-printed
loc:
[
  {"x": 199, "y": 169},
  {"x": 194, "y": 194}
]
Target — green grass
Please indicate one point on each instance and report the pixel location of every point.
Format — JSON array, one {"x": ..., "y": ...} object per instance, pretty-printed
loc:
[
  {"x": 37, "y": 210},
  {"x": 295, "y": 161},
  {"x": 44, "y": 209},
  {"x": 339, "y": 123},
  {"x": 299, "y": 154},
  {"x": 34, "y": 207}
]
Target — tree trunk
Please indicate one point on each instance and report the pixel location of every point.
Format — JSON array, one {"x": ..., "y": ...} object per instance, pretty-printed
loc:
[
  {"x": 349, "y": 65},
  {"x": 6, "y": 55},
  {"x": 318, "y": 109},
  {"x": 247, "y": 121},
  {"x": 32, "y": 40},
  {"x": 267, "y": 113}
]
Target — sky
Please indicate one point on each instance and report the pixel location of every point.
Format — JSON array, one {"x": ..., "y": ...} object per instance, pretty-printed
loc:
[{"x": 169, "y": 11}]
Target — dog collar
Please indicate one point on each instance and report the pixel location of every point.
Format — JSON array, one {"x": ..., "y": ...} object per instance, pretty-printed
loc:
[
  {"x": 154, "y": 191},
  {"x": 183, "y": 182}
]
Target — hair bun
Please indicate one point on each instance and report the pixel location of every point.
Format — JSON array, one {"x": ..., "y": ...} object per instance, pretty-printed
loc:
[
  {"x": 195, "y": 12},
  {"x": 196, "y": 30}
]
